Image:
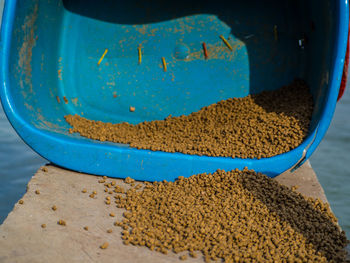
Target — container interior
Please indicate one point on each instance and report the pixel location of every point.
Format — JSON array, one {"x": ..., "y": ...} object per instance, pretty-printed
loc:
[{"x": 56, "y": 46}]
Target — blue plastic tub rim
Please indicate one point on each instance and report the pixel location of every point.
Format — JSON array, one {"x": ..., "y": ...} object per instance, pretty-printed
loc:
[{"x": 96, "y": 155}]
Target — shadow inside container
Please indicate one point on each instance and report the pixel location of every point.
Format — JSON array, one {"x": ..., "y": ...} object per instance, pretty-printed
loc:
[
  {"x": 291, "y": 207},
  {"x": 272, "y": 62}
]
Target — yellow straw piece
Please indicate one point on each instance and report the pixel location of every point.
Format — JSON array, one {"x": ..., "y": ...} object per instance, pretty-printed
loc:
[
  {"x": 140, "y": 54},
  {"x": 226, "y": 42},
  {"x": 275, "y": 32},
  {"x": 164, "y": 64},
  {"x": 103, "y": 55}
]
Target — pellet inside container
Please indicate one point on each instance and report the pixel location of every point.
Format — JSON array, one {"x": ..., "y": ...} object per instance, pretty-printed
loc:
[
  {"x": 256, "y": 126},
  {"x": 238, "y": 216}
]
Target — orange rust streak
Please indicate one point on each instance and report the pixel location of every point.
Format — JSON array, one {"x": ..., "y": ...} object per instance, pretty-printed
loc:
[
  {"x": 226, "y": 42},
  {"x": 65, "y": 99},
  {"x": 140, "y": 54},
  {"x": 205, "y": 50},
  {"x": 164, "y": 64},
  {"x": 103, "y": 55}
]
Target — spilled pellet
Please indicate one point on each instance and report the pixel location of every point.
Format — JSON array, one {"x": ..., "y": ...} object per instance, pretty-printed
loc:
[
  {"x": 256, "y": 126},
  {"x": 129, "y": 180},
  {"x": 104, "y": 245},
  {"x": 237, "y": 216},
  {"x": 183, "y": 257},
  {"x": 61, "y": 222}
]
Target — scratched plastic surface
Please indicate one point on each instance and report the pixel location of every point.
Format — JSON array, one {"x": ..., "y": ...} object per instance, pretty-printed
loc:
[{"x": 51, "y": 48}]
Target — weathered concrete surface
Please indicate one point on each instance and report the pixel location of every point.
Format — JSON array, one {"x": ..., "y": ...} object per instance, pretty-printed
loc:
[
  {"x": 23, "y": 240},
  {"x": 306, "y": 181}
]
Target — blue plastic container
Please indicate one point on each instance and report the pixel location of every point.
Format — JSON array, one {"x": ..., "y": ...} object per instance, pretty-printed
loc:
[{"x": 51, "y": 48}]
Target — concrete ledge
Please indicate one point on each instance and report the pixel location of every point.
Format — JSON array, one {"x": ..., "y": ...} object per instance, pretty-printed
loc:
[{"x": 22, "y": 239}]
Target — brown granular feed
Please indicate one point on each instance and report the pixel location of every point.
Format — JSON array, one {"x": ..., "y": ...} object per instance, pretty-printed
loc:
[
  {"x": 62, "y": 222},
  {"x": 104, "y": 245},
  {"x": 256, "y": 126},
  {"x": 237, "y": 216}
]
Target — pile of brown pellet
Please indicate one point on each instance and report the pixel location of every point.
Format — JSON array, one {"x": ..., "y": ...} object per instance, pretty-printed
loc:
[
  {"x": 237, "y": 216},
  {"x": 257, "y": 126}
]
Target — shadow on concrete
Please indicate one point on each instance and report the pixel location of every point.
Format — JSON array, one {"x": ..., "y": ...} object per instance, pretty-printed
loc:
[{"x": 317, "y": 227}]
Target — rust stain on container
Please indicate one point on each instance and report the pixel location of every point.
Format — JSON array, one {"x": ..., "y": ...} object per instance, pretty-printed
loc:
[
  {"x": 141, "y": 29},
  {"x": 59, "y": 74},
  {"x": 42, "y": 62},
  {"x": 217, "y": 51},
  {"x": 75, "y": 101},
  {"x": 26, "y": 50}
]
